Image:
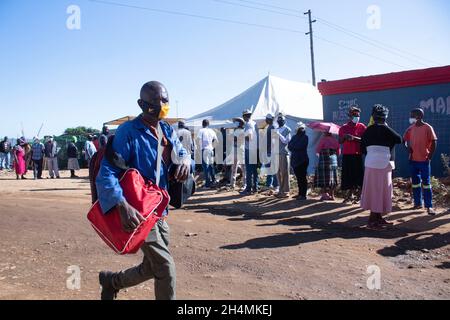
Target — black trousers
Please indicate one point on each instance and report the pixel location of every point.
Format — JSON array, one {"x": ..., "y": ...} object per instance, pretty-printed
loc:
[
  {"x": 352, "y": 172},
  {"x": 300, "y": 173},
  {"x": 37, "y": 168}
]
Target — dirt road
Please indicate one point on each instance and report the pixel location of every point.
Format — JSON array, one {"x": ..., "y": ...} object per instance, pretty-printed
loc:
[{"x": 225, "y": 247}]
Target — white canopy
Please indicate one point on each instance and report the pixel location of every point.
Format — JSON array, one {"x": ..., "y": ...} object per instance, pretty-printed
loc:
[
  {"x": 270, "y": 95},
  {"x": 297, "y": 101}
]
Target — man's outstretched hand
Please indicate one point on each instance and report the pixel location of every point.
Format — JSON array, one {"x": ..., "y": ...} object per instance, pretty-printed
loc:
[{"x": 129, "y": 217}]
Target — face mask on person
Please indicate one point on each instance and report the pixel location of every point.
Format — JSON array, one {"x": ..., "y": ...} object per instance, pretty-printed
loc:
[
  {"x": 161, "y": 113},
  {"x": 355, "y": 120},
  {"x": 281, "y": 123},
  {"x": 165, "y": 109},
  {"x": 412, "y": 120}
]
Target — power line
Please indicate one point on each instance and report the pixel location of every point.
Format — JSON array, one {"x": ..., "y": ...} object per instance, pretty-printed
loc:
[
  {"x": 178, "y": 13},
  {"x": 373, "y": 42},
  {"x": 268, "y": 5},
  {"x": 311, "y": 35},
  {"x": 376, "y": 43},
  {"x": 236, "y": 22},
  {"x": 360, "y": 52},
  {"x": 260, "y": 9}
]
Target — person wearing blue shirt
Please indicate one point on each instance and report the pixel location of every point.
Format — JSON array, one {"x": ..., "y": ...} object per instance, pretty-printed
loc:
[
  {"x": 37, "y": 155},
  {"x": 136, "y": 142}
]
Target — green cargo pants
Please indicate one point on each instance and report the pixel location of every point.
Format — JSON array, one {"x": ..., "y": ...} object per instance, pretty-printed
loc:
[{"x": 157, "y": 264}]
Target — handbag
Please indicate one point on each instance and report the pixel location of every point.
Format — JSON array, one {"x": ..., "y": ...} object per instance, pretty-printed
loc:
[
  {"x": 181, "y": 191},
  {"x": 145, "y": 196}
]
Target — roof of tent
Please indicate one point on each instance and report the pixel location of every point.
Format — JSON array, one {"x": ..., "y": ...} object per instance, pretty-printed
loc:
[{"x": 270, "y": 95}]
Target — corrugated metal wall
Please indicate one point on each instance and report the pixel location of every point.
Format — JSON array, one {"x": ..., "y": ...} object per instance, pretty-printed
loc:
[{"x": 435, "y": 99}]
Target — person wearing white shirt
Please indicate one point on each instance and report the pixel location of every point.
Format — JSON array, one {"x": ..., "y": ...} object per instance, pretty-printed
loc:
[
  {"x": 251, "y": 156},
  {"x": 185, "y": 136},
  {"x": 206, "y": 140},
  {"x": 238, "y": 156},
  {"x": 89, "y": 149},
  {"x": 284, "y": 134},
  {"x": 272, "y": 180}
]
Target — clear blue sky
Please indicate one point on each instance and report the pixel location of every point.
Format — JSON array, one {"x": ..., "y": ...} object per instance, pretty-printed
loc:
[{"x": 65, "y": 78}]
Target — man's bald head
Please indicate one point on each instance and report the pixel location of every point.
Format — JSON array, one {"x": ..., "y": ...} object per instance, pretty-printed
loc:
[{"x": 153, "y": 95}]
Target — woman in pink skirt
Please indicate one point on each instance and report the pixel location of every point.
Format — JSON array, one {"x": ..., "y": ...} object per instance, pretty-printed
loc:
[
  {"x": 378, "y": 144},
  {"x": 19, "y": 159}
]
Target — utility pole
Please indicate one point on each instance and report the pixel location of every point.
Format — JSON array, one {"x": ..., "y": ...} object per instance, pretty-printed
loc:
[{"x": 310, "y": 33}]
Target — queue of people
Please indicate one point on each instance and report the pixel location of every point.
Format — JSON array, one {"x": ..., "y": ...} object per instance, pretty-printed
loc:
[
  {"x": 366, "y": 152},
  {"x": 43, "y": 154}
]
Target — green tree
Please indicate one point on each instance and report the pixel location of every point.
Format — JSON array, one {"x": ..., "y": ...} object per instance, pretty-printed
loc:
[{"x": 80, "y": 131}]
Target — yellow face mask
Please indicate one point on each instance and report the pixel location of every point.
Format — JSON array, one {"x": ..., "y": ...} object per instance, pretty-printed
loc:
[{"x": 164, "y": 113}]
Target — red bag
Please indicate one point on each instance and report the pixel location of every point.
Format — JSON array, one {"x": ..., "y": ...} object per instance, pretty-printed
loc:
[{"x": 146, "y": 197}]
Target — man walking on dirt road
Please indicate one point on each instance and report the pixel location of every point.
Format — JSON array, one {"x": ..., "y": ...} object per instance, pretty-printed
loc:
[{"x": 136, "y": 142}]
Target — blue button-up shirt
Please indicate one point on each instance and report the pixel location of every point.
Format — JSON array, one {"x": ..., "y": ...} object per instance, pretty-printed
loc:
[
  {"x": 139, "y": 148},
  {"x": 37, "y": 151}
]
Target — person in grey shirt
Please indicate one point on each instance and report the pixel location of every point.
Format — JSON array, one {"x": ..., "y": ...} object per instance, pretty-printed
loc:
[
  {"x": 51, "y": 154},
  {"x": 185, "y": 136}
]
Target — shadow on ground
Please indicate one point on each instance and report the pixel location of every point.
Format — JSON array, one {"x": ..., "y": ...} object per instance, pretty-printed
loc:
[{"x": 312, "y": 221}]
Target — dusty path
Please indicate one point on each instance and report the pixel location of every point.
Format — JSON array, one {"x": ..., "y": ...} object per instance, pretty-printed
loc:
[{"x": 225, "y": 247}]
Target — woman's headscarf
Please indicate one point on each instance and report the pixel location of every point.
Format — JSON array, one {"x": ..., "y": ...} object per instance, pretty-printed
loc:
[
  {"x": 380, "y": 112},
  {"x": 21, "y": 141}
]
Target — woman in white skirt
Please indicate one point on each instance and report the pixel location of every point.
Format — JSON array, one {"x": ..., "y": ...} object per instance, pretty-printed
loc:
[{"x": 378, "y": 144}]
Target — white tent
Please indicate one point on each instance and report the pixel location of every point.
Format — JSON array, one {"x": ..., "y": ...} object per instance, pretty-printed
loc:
[
  {"x": 270, "y": 95},
  {"x": 298, "y": 101}
]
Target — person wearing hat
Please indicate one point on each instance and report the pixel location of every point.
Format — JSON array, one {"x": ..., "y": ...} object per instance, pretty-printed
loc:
[
  {"x": 238, "y": 157},
  {"x": 284, "y": 136},
  {"x": 298, "y": 147},
  {"x": 326, "y": 172},
  {"x": 185, "y": 137},
  {"x": 19, "y": 159},
  {"x": 378, "y": 144},
  {"x": 72, "y": 157},
  {"x": 352, "y": 162},
  {"x": 272, "y": 181},
  {"x": 37, "y": 156},
  {"x": 137, "y": 143},
  {"x": 251, "y": 153},
  {"x": 421, "y": 141},
  {"x": 51, "y": 154}
]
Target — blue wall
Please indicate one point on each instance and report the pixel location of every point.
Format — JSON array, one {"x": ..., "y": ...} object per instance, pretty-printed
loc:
[{"x": 434, "y": 99}]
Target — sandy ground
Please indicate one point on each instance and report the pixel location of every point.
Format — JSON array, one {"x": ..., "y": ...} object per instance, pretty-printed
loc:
[{"x": 225, "y": 247}]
